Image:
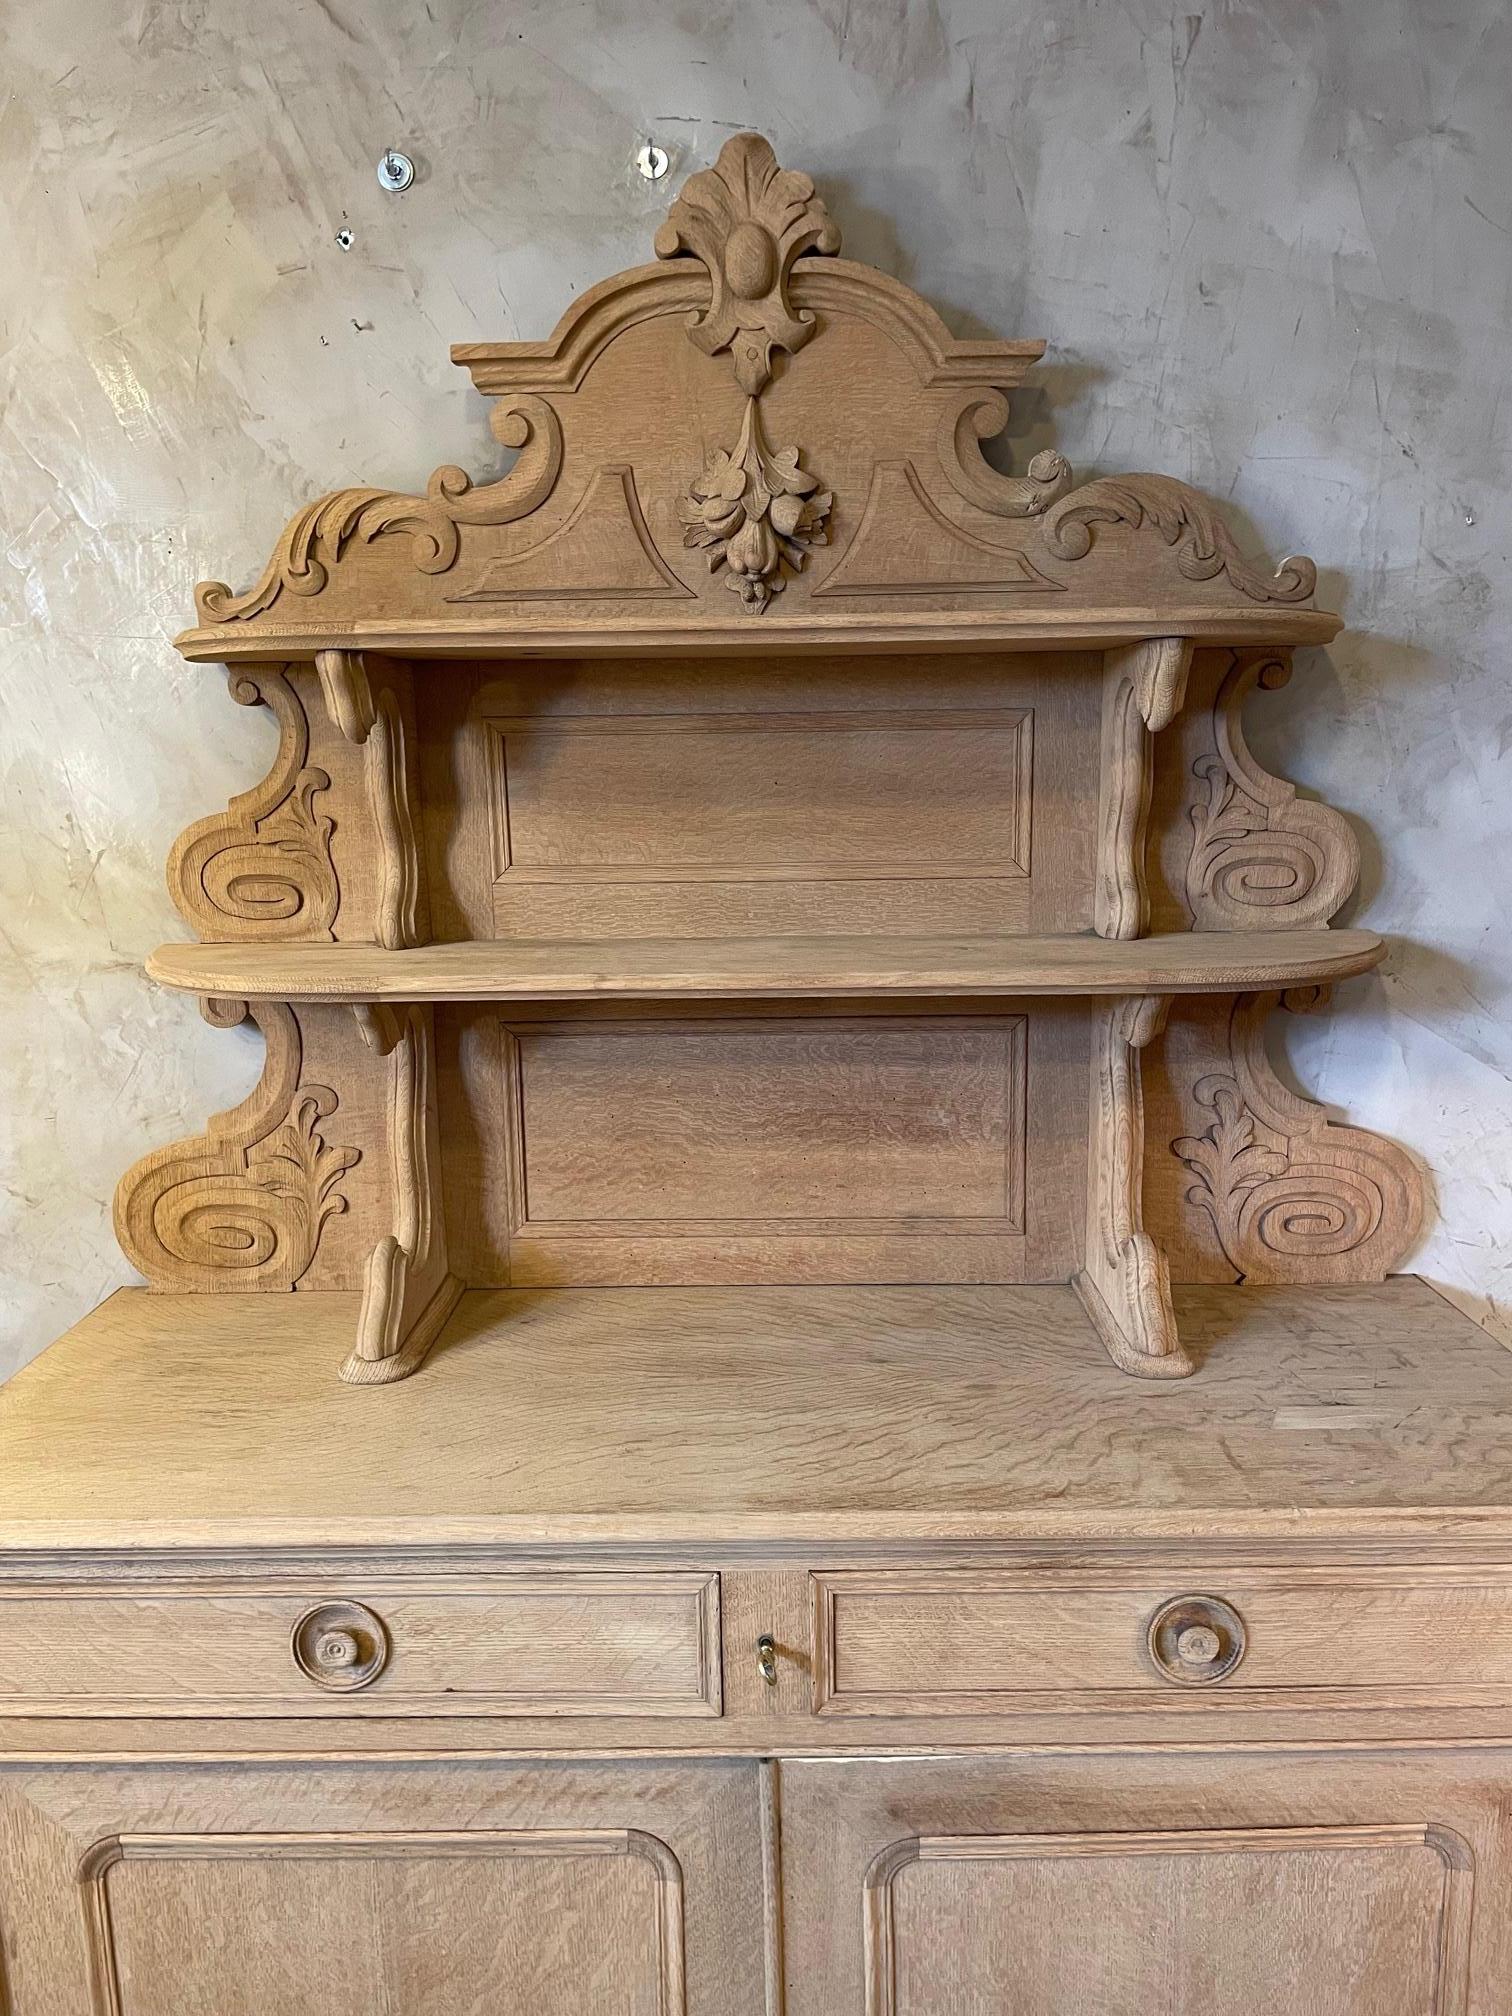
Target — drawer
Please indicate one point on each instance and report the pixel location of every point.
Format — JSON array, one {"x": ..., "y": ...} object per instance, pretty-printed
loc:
[
  {"x": 563, "y": 1642},
  {"x": 958, "y": 1642}
]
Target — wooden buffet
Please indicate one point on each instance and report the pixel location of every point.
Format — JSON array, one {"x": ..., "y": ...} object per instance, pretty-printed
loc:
[{"x": 764, "y": 928}]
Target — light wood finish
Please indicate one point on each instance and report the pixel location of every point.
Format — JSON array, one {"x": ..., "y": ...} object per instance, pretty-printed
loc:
[
  {"x": 1124, "y": 1281},
  {"x": 763, "y": 969},
  {"x": 637, "y": 1415},
  {"x": 636, "y": 1890},
  {"x": 1143, "y": 689},
  {"x": 569, "y": 1642},
  {"x": 378, "y": 722},
  {"x": 1338, "y": 1885}
]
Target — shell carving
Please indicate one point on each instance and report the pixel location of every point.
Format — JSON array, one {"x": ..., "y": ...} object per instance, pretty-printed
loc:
[{"x": 748, "y": 220}]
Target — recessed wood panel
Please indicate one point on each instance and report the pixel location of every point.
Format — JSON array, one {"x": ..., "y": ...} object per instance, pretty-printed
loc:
[
  {"x": 763, "y": 1149},
  {"x": 1330, "y": 1920},
  {"x": 576, "y": 1922}
]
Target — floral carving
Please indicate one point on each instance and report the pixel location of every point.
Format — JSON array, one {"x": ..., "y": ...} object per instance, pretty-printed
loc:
[
  {"x": 1184, "y": 519},
  {"x": 314, "y": 540},
  {"x": 754, "y": 512},
  {"x": 1292, "y": 1195},
  {"x": 748, "y": 220},
  {"x": 244, "y": 1204}
]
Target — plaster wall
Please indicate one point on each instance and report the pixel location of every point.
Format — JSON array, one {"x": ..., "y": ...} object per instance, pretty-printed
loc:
[{"x": 1270, "y": 242}]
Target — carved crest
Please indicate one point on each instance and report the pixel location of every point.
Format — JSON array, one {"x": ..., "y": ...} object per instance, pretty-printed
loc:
[
  {"x": 748, "y": 220},
  {"x": 1184, "y": 519}
]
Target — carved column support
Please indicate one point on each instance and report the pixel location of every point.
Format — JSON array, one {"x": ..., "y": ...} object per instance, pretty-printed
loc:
[
  {"x": 1291, "y": 1194},
  {"x": 372, "y": 715},
  {"x": 1124, "y": 1283},
  {"x": 262, "y": 869},
  {"x": 1144, "y": 685},
  {"x": 407, "y": 1291},
  {"x": 242, "y": 1205},
  {"x": 1261, "y": 857}
]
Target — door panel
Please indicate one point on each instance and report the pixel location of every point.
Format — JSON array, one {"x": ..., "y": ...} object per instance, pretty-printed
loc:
[
  {"x": 562, "y": 1890},
  {"x": 1178, "y": 1886}
]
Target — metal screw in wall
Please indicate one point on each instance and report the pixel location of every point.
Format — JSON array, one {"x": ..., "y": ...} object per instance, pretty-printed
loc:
[
  {"x": 653, "y": 161},
  {"x": 396, "y": 171}
]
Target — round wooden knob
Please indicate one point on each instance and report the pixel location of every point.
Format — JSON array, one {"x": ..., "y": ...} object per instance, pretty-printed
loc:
[
  {"x": 1196, "y": 1640},
  {"x": 340, "y": 1645},
  {"x": 1198, "y": 1645}
]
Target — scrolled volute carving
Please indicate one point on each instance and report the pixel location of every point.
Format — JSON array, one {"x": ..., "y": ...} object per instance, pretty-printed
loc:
[
  {"x": 243, "y": 1205},
  {"x": 755, "y": 513},
  {"x": 748, "y": 219},
  {"x": 1261, "y": 856},
  {"x": 1184, "y": 519},
  {"x": 262, "y": 869},
  {"x": 314, "y": 540},
  {"x": 1290, "y": 1194},
  {"x": 977, "y": 416}
]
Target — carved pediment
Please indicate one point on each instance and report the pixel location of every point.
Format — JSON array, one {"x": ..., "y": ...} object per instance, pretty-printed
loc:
[{"x": 752, "y": 412}]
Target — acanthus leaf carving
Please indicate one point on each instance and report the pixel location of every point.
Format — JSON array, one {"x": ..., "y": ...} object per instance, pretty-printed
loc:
[
  {"x": 262, "y": 869},
  {"x": 1291, "y": 1194},
  {"x": 243, "y": 1205},
  {"x": 315, "y": 539},
  {"x": 1185, "y": 520},
  {"x": 748, "y": 219},
  {"x": 754, "y": 512},
  {"x": 1261, "y": 856}
]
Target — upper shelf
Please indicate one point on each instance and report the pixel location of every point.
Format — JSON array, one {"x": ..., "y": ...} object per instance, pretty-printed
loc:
[
  {"x": 712, "y": 969},
  {"x": 528, "y": 634}
]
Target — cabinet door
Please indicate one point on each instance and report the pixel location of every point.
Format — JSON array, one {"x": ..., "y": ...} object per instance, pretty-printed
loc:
[
  {"x": 1148, "y": 1885},
  {"x": 405, "y": 1890}
]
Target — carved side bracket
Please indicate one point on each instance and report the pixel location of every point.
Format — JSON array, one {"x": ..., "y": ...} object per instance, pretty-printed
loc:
[
  {"x": 1124, "y": 1283},
  {"x": 748, "y": 220},
  {"x": 1261, "y": 857},
  {"x": 1184, "y": 519},
  {"x": 376, "y": 723},
  {"x": 1143, "y": 688},
  {"x": 243, "y": 1205},
  {"x": 262, "y": 869},
  {"x": 1292, "y": 1195},
  {"x": 407, "y": 1291},
  {"x": 314, "y": 540}
]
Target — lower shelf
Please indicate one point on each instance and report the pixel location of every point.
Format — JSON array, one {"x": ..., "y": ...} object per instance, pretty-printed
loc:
[{"x": 648, "y": 1414}]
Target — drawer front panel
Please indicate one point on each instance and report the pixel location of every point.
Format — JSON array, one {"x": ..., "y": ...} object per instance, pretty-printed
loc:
[
  {"x": 561, "y": 1643},
  {"x": 932, "y": 1642}
]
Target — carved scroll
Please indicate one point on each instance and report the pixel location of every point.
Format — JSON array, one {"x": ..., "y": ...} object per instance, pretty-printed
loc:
[
  {"x": 1143, "y": 688},
  {"x": 314, "y": 540},
  {"x": 376, "y": 724},
  {"x": 262, "y": 869},
  {"x": 1262, "y": 858},
  {"x": 407, "y": 1291},
  {"x": 1186, "y": 520},
  {"x": 243, "y": 1205},
  {"x": 1291, "y": 1195},
  {"x": 755, "y": 513},
  {"x": 1124, "y": 1283},
  {"x": 748, "y": 220},
  {"x": 975, "y": 417}
]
